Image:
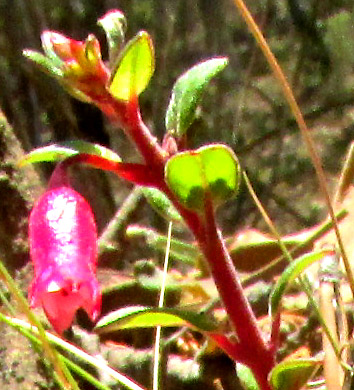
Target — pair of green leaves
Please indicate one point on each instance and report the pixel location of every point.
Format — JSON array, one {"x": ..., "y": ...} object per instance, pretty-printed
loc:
[{"x": 210, "y": 171}]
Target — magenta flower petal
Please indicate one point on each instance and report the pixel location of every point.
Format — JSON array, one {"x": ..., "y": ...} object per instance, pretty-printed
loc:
[{"x": 63, "y": 247}]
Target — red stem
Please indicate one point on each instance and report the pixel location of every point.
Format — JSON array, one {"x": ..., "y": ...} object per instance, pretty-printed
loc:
[
  {"x": 256, "y": 353},
  {"x": 128, "y": 117},
  {"x": 251, "y": 348}
]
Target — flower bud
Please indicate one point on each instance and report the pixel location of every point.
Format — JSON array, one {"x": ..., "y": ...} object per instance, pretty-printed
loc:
[
  {"x": 60, "y": 45},
  {"x": 78, "y": 64},
  {"x": 63, "y": 249}
]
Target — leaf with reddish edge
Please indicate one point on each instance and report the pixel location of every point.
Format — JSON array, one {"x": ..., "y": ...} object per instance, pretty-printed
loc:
[
  {"x": 63, "y": 249},
  {"x": 60, "y": 151},
  {"x": 94, "y": 155},
  {"x": 114, "y": 25}
]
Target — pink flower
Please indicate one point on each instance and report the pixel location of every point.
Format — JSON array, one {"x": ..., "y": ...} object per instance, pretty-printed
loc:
[{"x": 63, "y": 248}]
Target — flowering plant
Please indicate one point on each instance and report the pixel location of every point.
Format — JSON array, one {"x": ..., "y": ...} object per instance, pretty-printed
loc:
[{"x": 192, "y": 183}]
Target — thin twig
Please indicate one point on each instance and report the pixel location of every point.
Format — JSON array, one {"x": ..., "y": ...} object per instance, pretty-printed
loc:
[{"x": 117, "y": 224}]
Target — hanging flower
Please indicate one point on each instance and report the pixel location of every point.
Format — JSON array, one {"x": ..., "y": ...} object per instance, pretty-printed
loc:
[{"x": 63, "y": 248}]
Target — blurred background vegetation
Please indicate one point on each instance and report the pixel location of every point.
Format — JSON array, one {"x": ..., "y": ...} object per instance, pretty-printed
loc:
[{"x": 244, "y": 107}]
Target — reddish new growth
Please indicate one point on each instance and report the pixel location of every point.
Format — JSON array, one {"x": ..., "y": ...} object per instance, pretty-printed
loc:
[{"x": 63, "y": 248}]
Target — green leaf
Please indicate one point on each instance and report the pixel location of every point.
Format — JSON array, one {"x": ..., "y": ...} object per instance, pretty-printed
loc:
[
  {"x": 114, "y": 25},
  {"x": 293, "y": 374},
  {"x": 212, "y": 169},
  {"x": 51, "y": 65},
  {"x": 246, "y": 377},
  {"x": 46, "y": 64},
  {"x": 134, "y": 69},
  {"x": 187, "y": 93},
  {"x": 290, "y": 274},
  {"x": 147, "y": 317},
  {"x": 161, "y": 204},
  {"x": 60, "y": 151}
]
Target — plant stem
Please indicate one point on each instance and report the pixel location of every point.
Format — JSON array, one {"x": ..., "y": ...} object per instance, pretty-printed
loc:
[
  {"x": 346, "y": 177},
  {"x": 128, "y": 117},
  {"x": 251, "y": 348},
  {"x": 233, "y": 297},
  {"x": 114, "y": 230}
]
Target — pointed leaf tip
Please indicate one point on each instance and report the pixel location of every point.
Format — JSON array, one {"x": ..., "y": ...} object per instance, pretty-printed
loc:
[
  {"x": 147, "y": 317},
  {"x": 293, "y": 270},
  {"x": 187, "y": 93},
  {"x": 60, "y": 151}
]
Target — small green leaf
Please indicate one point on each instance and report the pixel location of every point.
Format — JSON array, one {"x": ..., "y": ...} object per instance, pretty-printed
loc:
[
  {"x": 290, "y": 274},
  {"x": 134, "y": 69},
  {"x": 60, "y": 151},
  {"x": 51, "y": 66},
  {"x": 147, "y": 317},
  {"x": 161, "y": 204},
  {"x": 45, "y": 63},
  {"x": 213, "y": 169},
  {"x": 246, "y": 377},
  {"x": 293, "y": 374},
  {"x": 187, "y": 93},
  {"x": 114, "y": 25}
]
